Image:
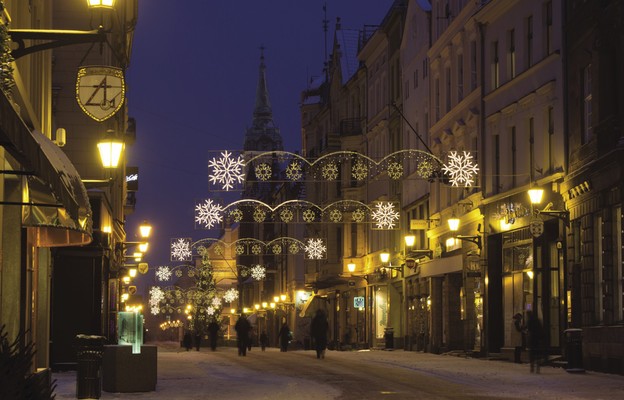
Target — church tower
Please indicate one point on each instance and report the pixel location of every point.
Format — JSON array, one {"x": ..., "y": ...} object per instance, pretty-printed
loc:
[{"x": 263, "y": 134}]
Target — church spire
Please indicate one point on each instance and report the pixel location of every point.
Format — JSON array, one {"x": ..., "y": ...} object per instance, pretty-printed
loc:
[{"x": 263, "y": 135}]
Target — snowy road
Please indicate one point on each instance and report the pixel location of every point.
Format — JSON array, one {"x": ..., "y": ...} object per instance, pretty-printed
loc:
[{"x": 354, "y": 375}]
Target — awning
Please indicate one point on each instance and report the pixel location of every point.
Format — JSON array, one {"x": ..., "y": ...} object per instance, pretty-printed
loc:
[
  {"x": 57, "y": 199},
  {"x": 441, "y": 266},
  {"x": 314, "y": 303}
]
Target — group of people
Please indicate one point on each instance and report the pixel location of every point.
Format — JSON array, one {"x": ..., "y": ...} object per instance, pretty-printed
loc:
[
  {"x": 319, "y": 329},
  {"x": 213, "y": 334}
]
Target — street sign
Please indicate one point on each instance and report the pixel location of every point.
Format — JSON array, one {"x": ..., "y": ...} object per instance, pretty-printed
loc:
[
  {"x": 358, "y": 302},
  {"x": 418, "y": 224}
]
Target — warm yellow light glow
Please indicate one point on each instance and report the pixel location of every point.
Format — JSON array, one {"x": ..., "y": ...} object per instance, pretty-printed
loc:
[
  {"x": 257, "y": 306},
  {"x": 351, "y": 267},
  {"x": 189, "y": 317},
  {"x": 536, "y": 194},
  {"x": 124, "y": 297},
  {"x": 132, "y": 272},
  {"x": 453, "y": 223},
  {"x": 145, "y": 229},
  {"x": 245, "y": 310},
  {"x": 126, "y": 280},
  {"x": 410, "y": 240},
  {"x": 232, "y": 310},
  {"x": 110, "y": 149},
  {"x": 530, "y": 274},
  {"x": 276, "y": 299},
  {"x": 137, "y": 254},
  {"x": 107, "y": 229},
  {"x": 450, "y": 242},
  {"x": 272, "y": 305},
  {"x": 282, "y": 297},
  {"x": 101, "y": 3},
  {"x": 384, "y": 257},
  {"x": 504, "y": 226},
  {"x": 264, "y": 304}
]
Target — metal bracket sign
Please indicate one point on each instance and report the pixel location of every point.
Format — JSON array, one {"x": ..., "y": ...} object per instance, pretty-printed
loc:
[{"x": 100, "y": 91}]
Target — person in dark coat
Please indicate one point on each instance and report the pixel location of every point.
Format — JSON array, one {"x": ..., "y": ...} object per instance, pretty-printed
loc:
[
  {"x": 284, "y": 337},
  {"x": 213, "y": 332},
  {"x": 318, "y": 331},
  {"x": 264, "y": 340},
  {"x": 187, "y": 340},
  {"x": 197, "y": 340},
  {"x": 242, "y": 328},
  {"x": 535, "y": 331}
]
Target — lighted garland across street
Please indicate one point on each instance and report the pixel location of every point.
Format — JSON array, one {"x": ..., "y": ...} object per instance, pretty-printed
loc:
[
  {"x": 228, "y": 171},
  {"x": 383, "y": 215},
  {"x": 216, "y": 248}
]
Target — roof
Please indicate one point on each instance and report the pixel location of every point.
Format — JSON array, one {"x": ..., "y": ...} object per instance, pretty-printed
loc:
[{"x": 347, "y": 42}]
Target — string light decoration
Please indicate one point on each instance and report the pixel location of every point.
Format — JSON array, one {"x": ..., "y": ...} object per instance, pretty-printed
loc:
[
  {"x": 181, "y": 249},
  {"x": 227, "y": 172},
  {"x": 460, "y": 169},
  {"x": 163, "y": 273},
  {"x": 258, "y": 272},
  {"x": 230, "y": 295}
]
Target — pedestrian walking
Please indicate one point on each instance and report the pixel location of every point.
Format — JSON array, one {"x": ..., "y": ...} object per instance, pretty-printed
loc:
[
  {"x": 187, "y": 341},
  {"x": 318, "y": 331},
  {"x": 213, "y": 333},
  {"x": 284, "y": 337},
  {"x": 535, "y": 331},
  {"x": 250, "y": 338},
  {"x": 264, "y": 340},
  {"x": 242, "y": 328},
  {"x": 197, "y": 340}
]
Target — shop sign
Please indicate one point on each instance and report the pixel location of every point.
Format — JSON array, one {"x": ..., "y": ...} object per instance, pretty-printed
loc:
[
  {"x": 100, "y": 91},
  {"x": 358, "y": 302},
  {"x": 536, "y": 227}
]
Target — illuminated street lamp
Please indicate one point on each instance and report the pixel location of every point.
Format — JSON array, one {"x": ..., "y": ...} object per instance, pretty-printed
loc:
[
  {"x": 101, "y": 3},
  {"x": 145, "y": 229},
  {"x": 110, "y": 148},
  {"x": 535, "y": 195}
]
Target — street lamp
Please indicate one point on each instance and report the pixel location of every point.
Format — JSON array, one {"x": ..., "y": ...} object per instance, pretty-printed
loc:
[
  {"x": 454, "y": 226},
  {"x": 385, "y": 259},
  {"x": 145, "y": 229},
  {"x": 110, "y": 148},
  {"x": 535, "y": 195},
  {"x": 101, "y": 3}
]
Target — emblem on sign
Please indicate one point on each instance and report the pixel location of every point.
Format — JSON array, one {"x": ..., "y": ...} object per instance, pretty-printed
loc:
[
  {"x": 100, "y": 91},
  {"x": 536, "y": 227}
]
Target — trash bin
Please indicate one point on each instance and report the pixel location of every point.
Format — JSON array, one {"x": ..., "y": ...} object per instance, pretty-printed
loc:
[
  {"x": 89, "y": 377},
  {"x": 389, "y": 336},
  {"x": 574, "y": 350}
]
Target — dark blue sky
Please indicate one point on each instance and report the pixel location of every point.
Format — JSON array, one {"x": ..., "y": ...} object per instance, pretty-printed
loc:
[{"x": 191, "y": 88}]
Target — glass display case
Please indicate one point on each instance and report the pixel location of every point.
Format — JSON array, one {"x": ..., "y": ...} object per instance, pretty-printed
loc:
[{"x": 130, "y": 330}]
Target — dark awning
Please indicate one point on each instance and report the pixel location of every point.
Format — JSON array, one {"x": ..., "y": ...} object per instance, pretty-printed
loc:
[{"x": 53, "y": 180}]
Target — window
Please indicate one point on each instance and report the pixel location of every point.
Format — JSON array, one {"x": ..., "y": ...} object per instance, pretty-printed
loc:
[
  {"x": 514, "y": 156},
  {"x": 406, "y": 90},
  {"x": 437, "y": 99},
  {"x": 549, "y": 27},
  {"x": 511, "y": 54},
  {"x": 495, "y": 66},
  {"x": 550, "y": 143},
  {"x": 598, "y": 266},
  {"x": 497, "y": 165},
  {"x": 587, "y": 104},
  {"x": 460, "y": 77},
  {"x": 447, "y": 94},
  {"x": 529, "y": 41},
  {"x": 473, "y": 65},
  {"x": 531, "y": 148}
]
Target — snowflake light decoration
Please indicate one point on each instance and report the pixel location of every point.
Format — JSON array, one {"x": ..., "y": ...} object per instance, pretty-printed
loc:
[
  {"x": 156, "y": 296},
  {"x": 395, "y": 170},
  {"x": 236, "y": 215},
  {"x": 258, "y": 272},
  {"x": 259, "y": 215},
  {"x": 216, "y": 302},
  {"x": 293, "y": 248},
  {"x": 256, "y": 249},
  {"x": 330, "y": 171},
  {"x": 460, "y": 168},
  {"x": 208, "y": 213},
  {"x": 286, "y": 215},
  {"x": 358, "y": 215},
  {"x": 294, "y": 171},
  {"x": 181, "y": 249},
  {"x": 335, "y": 216},
  {"x": 163, "y": 273},
  {"x": 315, "y": 249},
  {"x": 359, "y": 170},
  {"x": 309, "y": 215},
  {"x": 276, "y": 249},
  {"x": 230, "y": 295},
  {"x": 227, "y": 170},
  {"x": 239, "y": 249},
  {"x": 218, "y": 250},
  {"x": 263, "y": 172},
  {"x": 384, "y": 215},
  {"x": 425, "y": 169}
]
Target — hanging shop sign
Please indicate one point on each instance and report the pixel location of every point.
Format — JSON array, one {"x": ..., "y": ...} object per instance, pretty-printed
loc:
[
  {"x": 536, "y": 227},
  {"x": 358, "y": 302},
  {"x": 100, "y": 91}
]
